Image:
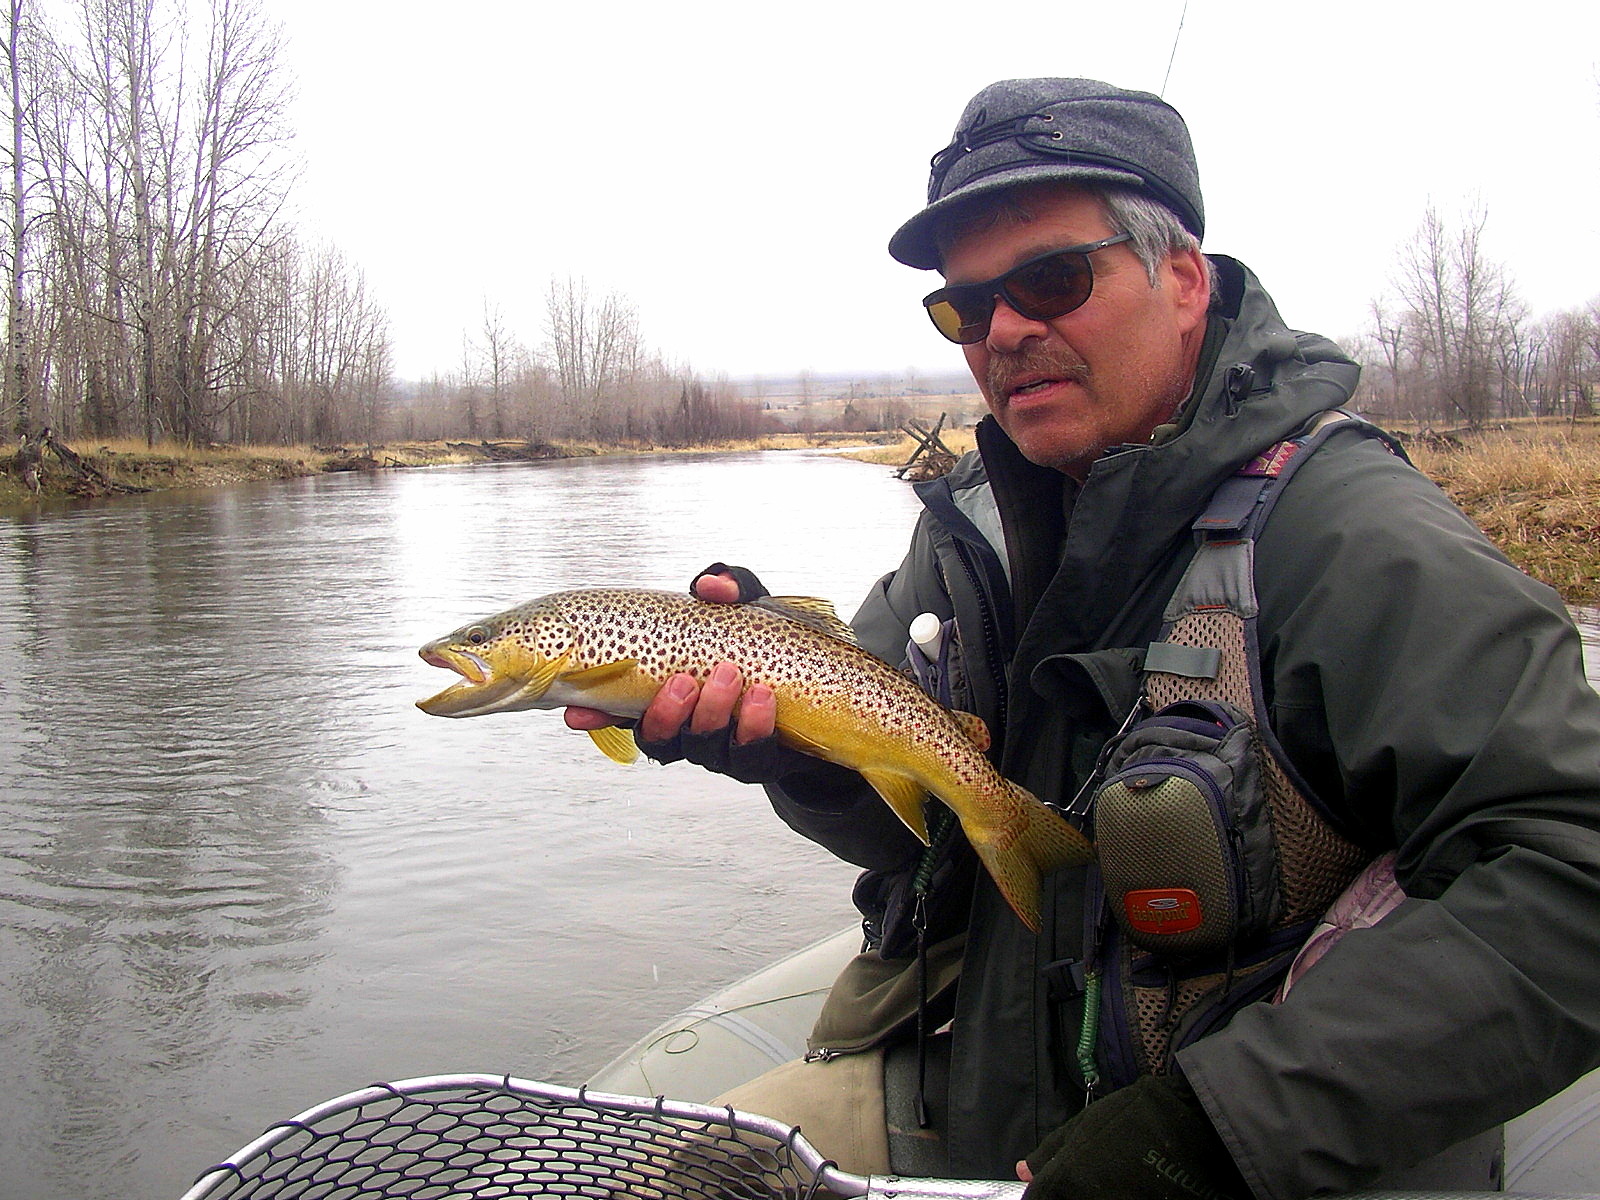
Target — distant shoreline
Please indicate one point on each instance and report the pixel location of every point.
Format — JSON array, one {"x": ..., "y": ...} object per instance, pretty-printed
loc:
[
  {"x": 127, "y": 467},
  {"x": 1533, "y": 487}
]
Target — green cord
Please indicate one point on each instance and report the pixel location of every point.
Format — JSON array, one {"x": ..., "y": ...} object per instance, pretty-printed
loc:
[
  {"x": 923, "y": 877},
  {"x": 1089, "y": 1032}
]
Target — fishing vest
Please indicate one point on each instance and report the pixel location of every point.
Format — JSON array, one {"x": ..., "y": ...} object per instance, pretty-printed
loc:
[{"x": 1215, "y": 861}]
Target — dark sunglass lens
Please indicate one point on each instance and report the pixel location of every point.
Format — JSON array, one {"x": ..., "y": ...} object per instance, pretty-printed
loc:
[
  {"x": 1050, "y": 287},
  {"x": 961, "y": 318}
]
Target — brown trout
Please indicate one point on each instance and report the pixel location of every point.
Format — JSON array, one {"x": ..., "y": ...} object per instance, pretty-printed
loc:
[{"x": 612, "y": 649}]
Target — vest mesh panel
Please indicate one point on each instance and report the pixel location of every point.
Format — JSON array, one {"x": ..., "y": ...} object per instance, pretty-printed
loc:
[{"x": 1316, "y": 863}]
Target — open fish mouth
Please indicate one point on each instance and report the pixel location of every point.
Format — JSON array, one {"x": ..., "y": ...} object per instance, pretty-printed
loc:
[
  {"x": 463, "y": 662},
  {"x": 477, "y": 691}
]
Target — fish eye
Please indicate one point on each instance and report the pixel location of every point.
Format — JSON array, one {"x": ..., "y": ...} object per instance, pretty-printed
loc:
[{"x": 477, "y": 635}]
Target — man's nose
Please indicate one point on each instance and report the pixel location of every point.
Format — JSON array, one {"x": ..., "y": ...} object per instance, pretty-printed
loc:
[{"x": 1008, "y": 328}]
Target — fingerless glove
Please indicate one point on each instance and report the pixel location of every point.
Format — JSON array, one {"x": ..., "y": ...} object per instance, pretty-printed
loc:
[{"x": 1150, "y": 1140}]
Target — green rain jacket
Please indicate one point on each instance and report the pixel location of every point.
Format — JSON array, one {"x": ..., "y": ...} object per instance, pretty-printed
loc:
[{"x": 1430, "y": 693}]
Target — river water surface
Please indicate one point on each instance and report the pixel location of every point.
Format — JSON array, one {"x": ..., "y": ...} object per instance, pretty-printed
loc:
[{"x": 240, "y": 873}]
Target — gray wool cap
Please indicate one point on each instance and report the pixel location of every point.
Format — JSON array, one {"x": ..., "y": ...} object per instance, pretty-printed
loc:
[{"x": 1021, "y": 131}]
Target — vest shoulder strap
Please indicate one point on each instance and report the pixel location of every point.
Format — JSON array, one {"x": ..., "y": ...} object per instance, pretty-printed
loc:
[{"x": 1209, "y": 651}]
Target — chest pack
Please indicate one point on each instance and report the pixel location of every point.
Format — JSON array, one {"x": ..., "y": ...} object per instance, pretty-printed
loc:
[{"x": 1215, "y": 861}]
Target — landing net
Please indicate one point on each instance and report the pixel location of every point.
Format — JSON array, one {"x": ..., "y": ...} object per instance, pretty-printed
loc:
[
  {"x": 486, "y": 1136},
  {"x": 453, "y": 1137}
]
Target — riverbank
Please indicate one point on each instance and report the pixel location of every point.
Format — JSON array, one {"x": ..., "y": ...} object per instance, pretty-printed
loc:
[
  {"x": 128, "y": 466},
  {"x": 1533, "y": 487}
]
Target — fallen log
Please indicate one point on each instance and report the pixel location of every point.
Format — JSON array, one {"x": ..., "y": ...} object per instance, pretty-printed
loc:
[
  {"x": 84, "y": 478},
  {"x": 507, "y": 451}
]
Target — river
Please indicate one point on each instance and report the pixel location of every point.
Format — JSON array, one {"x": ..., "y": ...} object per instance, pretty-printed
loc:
[{"x": 240, "y": 873}]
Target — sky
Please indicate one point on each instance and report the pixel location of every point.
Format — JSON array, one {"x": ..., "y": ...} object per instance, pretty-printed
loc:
[{"x": 735, "y": 169}]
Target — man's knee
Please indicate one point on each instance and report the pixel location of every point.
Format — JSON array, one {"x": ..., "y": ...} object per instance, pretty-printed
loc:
[{"x": 837, "y": 1105}]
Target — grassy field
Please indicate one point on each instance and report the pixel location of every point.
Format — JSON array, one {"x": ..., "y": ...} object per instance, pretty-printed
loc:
[{"x": 1533, "y": 487}]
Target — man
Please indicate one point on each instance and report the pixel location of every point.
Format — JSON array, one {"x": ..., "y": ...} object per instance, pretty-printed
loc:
[{"x": 1428, "y": 696}]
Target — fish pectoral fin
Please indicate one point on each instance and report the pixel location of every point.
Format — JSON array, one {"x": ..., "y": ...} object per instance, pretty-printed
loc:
[
  {"x": 973, "y": 727},
  {"x": 798, "y": 739},
  {"x": 604, "y": 673},
  {"x": 808, "y": 610},
  {"x": 543, "y": 675},
  {"x": 616, "y": 744},
  {"x": 906, "y": 796}
]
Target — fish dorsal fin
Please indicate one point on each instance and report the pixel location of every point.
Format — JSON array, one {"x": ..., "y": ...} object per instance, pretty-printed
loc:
[
  {"x": 905, "y": 796},
  {"x": 616, "y": 744},
  {"x": 808, "y": 610},
  {"x": 973, "y": 727}
]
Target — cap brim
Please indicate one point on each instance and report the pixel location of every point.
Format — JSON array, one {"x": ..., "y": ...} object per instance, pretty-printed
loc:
[{"x": 914, "y": 242}]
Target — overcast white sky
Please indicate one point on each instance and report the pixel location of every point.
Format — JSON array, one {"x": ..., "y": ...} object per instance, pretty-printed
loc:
[{"x": 736, "y": 168}]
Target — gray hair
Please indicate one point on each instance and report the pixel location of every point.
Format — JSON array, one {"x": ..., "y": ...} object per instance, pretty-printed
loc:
[{"x": 1156, "y": 229}]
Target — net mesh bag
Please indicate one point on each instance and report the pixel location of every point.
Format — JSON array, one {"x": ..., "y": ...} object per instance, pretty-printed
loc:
[{"x": 484, "y": 1137}]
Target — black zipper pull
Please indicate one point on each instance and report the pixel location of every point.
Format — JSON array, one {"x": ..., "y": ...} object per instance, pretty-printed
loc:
[{"x": 1237, "y": 382}]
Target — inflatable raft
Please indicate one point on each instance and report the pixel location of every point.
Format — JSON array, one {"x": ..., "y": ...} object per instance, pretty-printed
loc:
[{"x": 642, "y": 1125}]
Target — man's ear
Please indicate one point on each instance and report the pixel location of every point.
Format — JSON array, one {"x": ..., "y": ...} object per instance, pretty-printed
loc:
[{"x": 1191, "y": 284}]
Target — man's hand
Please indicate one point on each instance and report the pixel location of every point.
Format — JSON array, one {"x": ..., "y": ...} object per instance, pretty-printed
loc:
[
  {"x": 1149, "y": 1141},
  {"x": 683, "y": 705},
  {"x": 721, "y": 725}
]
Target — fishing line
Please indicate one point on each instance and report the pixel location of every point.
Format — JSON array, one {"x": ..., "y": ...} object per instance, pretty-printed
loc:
[{"x": 1181, "y": 15}]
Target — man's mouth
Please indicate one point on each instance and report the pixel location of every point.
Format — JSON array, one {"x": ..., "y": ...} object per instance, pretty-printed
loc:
[
  {"x": 1031, "y": 388},
  {"x": 1030, "y": 374}
]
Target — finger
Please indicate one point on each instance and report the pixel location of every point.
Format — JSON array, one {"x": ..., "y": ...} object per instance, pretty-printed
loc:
[
  {"x": 672, "y": 706},
  {"x": 718, "y": 697},
  {"x": 718, "y": 589},
  {"x": 1024, "y": 1171},
  {"x": 587, "y": 718},
  {"x": 758, "y": 715}
]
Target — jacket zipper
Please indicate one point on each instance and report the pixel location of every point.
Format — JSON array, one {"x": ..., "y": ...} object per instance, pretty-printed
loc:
[{"x": 993, "y": 651}]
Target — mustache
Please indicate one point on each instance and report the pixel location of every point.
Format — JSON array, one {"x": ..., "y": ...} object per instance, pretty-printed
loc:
[{"x": 1004, "y": 370}]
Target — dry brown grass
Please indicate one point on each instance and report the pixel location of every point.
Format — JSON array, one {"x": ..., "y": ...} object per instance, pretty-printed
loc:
[
  {"x": 1534, "y": 488},
  {"x": 199, "y": 454},
  {"x": 892, "y": 455}
]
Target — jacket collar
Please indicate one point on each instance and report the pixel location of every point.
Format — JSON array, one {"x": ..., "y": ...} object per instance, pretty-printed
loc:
[{"x": 1131, "y": 519}]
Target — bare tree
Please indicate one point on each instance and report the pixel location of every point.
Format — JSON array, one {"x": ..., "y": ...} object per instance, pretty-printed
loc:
[
  {"x": 1388, "y": 335},
  {"x": 1460, "y": 306},
  {"x": 236, "y": 185},
  {"x": 806, "y": 389},
  {"x": 501, "y": 353},
  {"x": 597, "y": 353},
  {"x": 23, "y": 51}
]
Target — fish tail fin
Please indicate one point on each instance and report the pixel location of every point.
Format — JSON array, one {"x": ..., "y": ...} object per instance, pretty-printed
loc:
[{"x": 1021, "y": 855}]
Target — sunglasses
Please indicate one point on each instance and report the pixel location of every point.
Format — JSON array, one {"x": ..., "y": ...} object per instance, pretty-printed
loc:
[{"x": 1041, "y": 289}]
